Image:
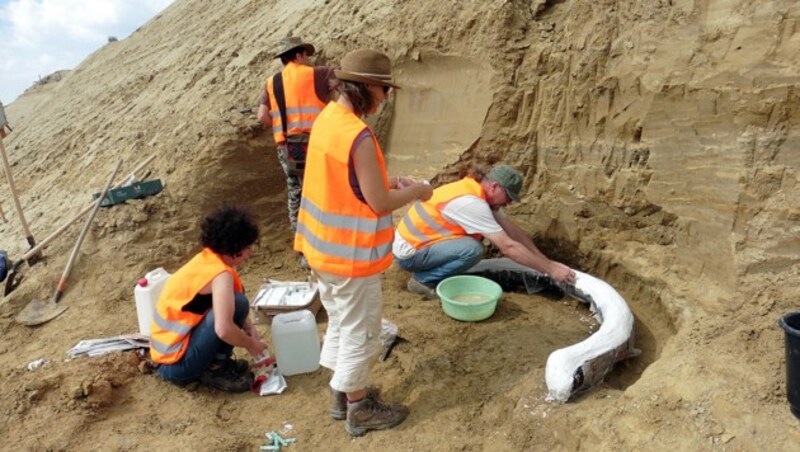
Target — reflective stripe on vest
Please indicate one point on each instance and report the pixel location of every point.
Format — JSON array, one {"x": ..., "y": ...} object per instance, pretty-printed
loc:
[
  {"x": 278, "y": 130},
  {"x": 171, "y": 327},
  {"x": 336, "y": 232},
  {"x": 302, "y": 104},
  {"x": 347, "y": 252},
  {"x": 424, "y": 223},
  {"x": 346, "y": 221}
]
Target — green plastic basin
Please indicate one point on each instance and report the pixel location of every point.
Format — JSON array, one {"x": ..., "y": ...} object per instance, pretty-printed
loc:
[{"x": 469, "y": 298}]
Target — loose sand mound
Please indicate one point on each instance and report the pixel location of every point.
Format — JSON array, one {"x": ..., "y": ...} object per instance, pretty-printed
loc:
[{"x": 658, "y": 141}]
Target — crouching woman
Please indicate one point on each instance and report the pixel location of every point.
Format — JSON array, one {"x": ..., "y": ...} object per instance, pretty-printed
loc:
[{"x": 202, "y": 312}]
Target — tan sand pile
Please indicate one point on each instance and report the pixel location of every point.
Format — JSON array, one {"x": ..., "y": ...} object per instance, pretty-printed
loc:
[{"x": 658, "y": 139}]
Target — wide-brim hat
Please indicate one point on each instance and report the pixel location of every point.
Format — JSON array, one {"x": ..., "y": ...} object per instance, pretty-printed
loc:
[
  {"x": 366, "y": 66},
  {"x": 290, "y": 43}
]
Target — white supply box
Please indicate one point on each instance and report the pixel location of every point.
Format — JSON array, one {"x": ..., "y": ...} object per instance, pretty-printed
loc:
[{"x": 276, "y": 297}]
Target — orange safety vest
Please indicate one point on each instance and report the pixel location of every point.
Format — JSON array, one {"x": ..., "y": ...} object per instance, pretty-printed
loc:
[
  {"x": 302, "y": 104},
  {"x": 336, "y": 232},
  {"x": 171, "y": 326},
  {"x": 424, "y": 223}
]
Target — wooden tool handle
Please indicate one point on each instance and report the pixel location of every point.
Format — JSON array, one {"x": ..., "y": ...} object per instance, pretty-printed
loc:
[
  {"x": 62, "y": 284},
  {"x": 14, "y": 195}
]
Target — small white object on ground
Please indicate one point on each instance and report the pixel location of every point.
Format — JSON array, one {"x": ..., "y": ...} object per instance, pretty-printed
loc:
[
  {"x": 388, "y": 333},
  {"x": 271, "y": 383},
  {"x": 33, "y": 365},
  {"x": 388, "y": 338}
]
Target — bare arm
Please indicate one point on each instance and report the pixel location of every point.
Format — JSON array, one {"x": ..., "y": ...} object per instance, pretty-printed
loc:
[
  {"x": 263, "y": 115},
  {"x": 516, "y": 233},
  {"x": 521, "y": 254},
  {"x": 223, "y": 304},
  {"x": 370, "y": 178},
  {"x": 251, "y": 330}
]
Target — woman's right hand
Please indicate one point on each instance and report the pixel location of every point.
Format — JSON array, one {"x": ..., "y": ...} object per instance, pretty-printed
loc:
[
  {"x": 257, "y": 348},
  {"x": 424, "y": 191},
  {"x": 562, "y": 274}
]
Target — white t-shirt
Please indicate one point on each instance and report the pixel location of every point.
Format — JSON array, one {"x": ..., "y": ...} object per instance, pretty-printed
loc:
[{"x": 468, "y": 211}]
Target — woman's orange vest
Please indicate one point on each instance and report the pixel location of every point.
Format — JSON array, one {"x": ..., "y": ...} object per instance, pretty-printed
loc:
[
  {"x": 302, "y": 104},
  {"x": 171, "y": 326},
  {"x": 424, "y": 223},
  {"x": 336, "y": 232}
]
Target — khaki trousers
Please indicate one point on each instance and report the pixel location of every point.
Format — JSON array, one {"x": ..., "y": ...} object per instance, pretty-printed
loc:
[{"x": 352, "y": 340}]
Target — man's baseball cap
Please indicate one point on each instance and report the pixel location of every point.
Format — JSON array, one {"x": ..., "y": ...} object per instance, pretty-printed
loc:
[{"x": 508, "y": 178}]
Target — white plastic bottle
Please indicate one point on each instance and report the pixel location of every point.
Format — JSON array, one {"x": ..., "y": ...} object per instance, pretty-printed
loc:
[
  {"x": 295, "y": 342},
  {"x": 146, "y": 293}
]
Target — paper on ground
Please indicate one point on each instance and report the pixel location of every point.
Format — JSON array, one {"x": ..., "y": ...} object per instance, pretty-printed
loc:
[{"x": 97, "y": 347}]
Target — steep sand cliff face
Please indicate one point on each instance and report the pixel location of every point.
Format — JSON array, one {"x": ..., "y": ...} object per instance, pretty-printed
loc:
[{"x": 658, "y": 142}]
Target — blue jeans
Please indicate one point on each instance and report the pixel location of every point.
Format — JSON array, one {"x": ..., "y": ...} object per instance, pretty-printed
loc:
[
  {"x": 436, "y": 262},
  {"x": 204, "y": 347}
]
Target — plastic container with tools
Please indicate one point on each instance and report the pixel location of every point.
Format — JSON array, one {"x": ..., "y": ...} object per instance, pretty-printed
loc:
[
  {"x": 278, "y": 297},
  {"x": 146, "y": 293}
]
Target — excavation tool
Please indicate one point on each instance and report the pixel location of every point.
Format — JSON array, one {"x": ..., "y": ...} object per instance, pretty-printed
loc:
[
  {"x": 38, "y": 311},
  {"x": 12, "y": 280},
  {"x": 12, "y": 186},
  {"x": 131, "y": 190}
]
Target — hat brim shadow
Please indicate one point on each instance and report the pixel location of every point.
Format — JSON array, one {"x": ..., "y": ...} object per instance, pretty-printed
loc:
[
  {"x": 352, "y": 77},
  {"x": 309, "y": 48}
]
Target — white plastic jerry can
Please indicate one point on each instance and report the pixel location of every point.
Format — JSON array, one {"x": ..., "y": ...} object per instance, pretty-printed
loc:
[
  {"x": 146, "y": 293},
  {"x": 295, "y": 342}
]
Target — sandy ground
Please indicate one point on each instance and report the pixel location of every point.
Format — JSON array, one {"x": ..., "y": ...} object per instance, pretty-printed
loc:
[{"x": 657, "y": 139}]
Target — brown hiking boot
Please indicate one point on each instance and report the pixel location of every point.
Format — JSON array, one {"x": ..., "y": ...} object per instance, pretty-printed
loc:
[
  {"x": 226, "y": 378},
  {"x": 339, "y": 402},
  {"x": 418, "y": 288},
  {"x": 368, "y": 414}
]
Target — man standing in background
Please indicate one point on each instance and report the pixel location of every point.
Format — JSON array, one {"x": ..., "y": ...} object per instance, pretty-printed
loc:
[{"x": 290, "y": 103}]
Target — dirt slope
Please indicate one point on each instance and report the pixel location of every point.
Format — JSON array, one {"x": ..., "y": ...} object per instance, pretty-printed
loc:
[{"x": 657, "y": 138}]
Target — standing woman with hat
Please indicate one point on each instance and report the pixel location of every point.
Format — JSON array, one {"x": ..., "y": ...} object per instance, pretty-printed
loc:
[{"x": 345, "y": 232}]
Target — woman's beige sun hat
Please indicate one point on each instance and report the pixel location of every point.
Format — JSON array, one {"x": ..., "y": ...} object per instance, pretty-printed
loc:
[{"x": 366, "y": 66}]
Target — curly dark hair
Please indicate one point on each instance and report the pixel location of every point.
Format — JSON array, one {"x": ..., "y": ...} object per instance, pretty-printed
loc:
[
  {"x": 229, "y": 230},
  {"x": 358, "y": 94}
]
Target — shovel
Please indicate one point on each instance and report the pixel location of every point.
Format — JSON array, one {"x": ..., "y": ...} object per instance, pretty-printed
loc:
[{"x": 37, "y": 311}]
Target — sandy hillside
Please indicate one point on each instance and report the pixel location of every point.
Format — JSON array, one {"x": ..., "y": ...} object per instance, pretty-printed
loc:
[{"x": 659, "y": 143}]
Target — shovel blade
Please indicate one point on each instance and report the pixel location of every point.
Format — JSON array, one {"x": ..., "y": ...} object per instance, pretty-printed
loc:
[{"x": 38, "y": 312}]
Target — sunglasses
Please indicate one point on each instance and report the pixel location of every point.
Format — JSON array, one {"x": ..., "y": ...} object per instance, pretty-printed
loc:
[{"x": 387, "y": 89}]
